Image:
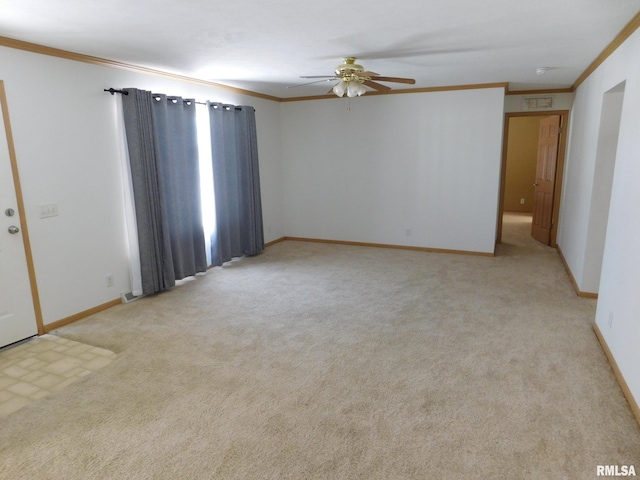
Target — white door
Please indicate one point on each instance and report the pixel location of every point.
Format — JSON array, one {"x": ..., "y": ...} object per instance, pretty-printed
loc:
[{"x": 17, "y": 313}]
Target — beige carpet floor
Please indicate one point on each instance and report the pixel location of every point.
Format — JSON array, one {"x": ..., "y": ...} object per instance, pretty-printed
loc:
[{"x": 316, "y": 361}]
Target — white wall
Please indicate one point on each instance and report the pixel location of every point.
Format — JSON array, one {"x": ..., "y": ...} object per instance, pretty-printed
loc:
[
  {"x": 619, "y": 299},
  {"x": 588, "y": 171},
  {"x": 67, "y": 148},
  {"x": 371, "y": 169}
]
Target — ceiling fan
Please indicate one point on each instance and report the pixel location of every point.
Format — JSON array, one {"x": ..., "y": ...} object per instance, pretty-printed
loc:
[{"x": 352, "y": 79}]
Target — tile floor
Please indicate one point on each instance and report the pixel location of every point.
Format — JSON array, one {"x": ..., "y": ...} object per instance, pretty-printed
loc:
[{"x": 43, "y": 365}]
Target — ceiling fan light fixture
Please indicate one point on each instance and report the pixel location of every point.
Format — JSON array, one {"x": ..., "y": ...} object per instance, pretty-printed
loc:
[
  {"x": 355, "y": 89},
  {"x": 340, "y": 88},
  {"x": 352, "y": 89}
]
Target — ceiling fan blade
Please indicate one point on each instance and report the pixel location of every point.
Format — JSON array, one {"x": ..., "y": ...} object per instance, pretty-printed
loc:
[
  {"x": 377, "y": 86},
  {"x": 367, "y": 74},
  {"x": 311, "y": 83},
  {"x": 394, "y": 79},
  {"x": 317, "y": 76}
]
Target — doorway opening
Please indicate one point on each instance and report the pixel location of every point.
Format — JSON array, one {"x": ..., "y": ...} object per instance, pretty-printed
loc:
[
  {"x": 522, "y": 167},
  {"x": 606, "y": 151}
]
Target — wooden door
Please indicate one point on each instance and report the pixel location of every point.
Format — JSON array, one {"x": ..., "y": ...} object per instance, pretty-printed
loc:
[
  {"x": 17, "y": 308},
  {"x": 544, "y": 186}
]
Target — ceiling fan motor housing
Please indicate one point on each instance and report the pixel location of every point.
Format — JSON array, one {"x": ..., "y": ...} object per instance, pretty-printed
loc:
[{"x": 349, "y": 69}]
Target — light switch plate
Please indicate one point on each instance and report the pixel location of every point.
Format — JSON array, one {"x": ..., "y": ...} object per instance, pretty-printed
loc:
[{"x": 48, "y": 210}]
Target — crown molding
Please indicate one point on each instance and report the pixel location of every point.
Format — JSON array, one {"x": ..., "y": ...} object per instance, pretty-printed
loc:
[
  {"x": 79, "y": 57},
  {"x": 625, "y": 33}
]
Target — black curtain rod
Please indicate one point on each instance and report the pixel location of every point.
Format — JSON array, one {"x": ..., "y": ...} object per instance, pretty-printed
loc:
[{"x": 113, "y": 91}]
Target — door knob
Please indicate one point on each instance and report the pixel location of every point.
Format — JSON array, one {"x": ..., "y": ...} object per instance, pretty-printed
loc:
[
  {"x": 536, "y": 184},
  {"x": 13, "y": 229}
]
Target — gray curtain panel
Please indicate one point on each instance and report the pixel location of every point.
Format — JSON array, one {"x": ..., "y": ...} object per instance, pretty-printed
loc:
[
  {"x": 249, "y": 178},
  {"x": 236, "y": 183},
  {"x": 177, "y": 140},
  {"x": 164, "y": 168}
]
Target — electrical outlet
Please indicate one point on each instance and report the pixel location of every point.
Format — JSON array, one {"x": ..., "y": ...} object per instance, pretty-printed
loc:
[
  {"x": 522, "y": 201},
  {"x": 407, "y": 232},
  {"x": 109, "y": 280}
]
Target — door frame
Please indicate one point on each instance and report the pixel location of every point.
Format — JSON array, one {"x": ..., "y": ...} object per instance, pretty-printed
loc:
[
  {"x": 562, "y": 147},
  {"x": 21, "y": 212}
]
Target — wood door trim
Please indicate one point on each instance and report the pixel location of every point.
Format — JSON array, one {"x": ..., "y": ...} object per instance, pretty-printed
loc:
[
  {"x": 562, "y": 146},
  {"x": 21, "y": 212}
]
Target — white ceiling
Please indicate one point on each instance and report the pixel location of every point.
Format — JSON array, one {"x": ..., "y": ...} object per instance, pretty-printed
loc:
[{"x": 264, "y": 46}]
